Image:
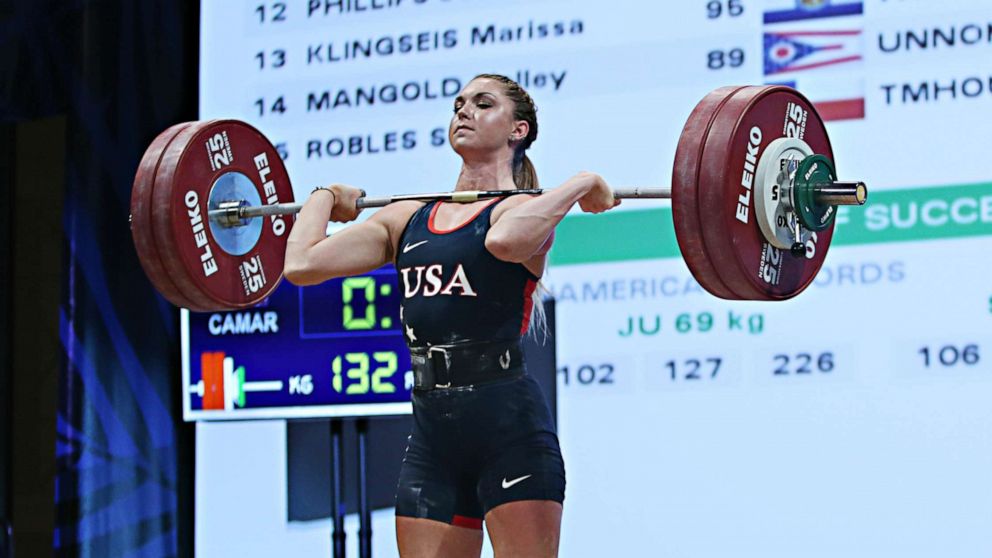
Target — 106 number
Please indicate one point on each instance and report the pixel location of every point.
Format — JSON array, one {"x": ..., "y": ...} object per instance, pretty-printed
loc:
[{"x": 950, "y": 355}]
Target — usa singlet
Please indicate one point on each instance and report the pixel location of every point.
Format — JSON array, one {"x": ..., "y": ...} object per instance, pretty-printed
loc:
[{"x": 454, "y": 290}]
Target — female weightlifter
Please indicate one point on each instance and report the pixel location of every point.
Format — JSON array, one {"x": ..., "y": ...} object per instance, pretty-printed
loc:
[{"x": 483, "y": 444}]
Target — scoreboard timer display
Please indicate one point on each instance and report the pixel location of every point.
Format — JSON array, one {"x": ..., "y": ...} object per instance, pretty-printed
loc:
[{"x": 334, "y": 349}]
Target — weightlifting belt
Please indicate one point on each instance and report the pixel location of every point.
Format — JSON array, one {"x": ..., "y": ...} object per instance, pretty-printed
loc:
[{"x": 463, "y": 364}]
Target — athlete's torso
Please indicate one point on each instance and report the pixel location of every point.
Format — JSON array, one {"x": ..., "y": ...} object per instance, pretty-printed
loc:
[{"x": 454, "y": 290}]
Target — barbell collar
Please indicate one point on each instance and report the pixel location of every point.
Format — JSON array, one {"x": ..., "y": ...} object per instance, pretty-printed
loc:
[{"x": 229, "y": 214}]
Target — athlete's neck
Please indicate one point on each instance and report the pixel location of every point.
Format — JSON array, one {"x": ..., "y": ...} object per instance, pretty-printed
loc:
[{"x": 495, "y": 173}]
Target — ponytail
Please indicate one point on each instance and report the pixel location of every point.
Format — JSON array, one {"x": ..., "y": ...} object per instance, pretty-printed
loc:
[
  {"x": 524, "y": 174},
  {"x": 525, "y": 178}
]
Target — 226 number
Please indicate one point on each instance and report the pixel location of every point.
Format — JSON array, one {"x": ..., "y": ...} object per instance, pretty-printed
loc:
[{"x": 804, "y": 363}]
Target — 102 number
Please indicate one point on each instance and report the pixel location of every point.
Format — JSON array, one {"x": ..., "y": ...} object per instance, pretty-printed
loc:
[{"x": 587, "y": 374}]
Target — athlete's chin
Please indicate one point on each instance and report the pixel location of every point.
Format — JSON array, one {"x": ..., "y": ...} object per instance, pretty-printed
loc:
[
  {"x": 472, "y": 141},
  {"x": 466, "y": 147}
]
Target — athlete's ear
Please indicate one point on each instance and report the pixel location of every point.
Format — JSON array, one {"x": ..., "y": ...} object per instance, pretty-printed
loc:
[{"x": 520, "y": 130}]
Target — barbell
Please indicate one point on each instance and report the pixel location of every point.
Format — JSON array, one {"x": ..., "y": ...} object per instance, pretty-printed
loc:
[{"x": 754, "y": 195}]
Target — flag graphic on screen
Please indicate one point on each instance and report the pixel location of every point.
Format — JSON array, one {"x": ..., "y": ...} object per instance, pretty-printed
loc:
[
  {"x": 804, "y": 10},
  {"x": 817, "y": 47},
  {"x": 808, "y": 50}
]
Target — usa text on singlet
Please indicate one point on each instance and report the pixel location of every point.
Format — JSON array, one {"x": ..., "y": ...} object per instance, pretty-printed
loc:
[{"x": 454, "y": 290}]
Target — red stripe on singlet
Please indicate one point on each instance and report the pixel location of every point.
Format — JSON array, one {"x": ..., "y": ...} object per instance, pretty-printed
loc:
[
  {"x": 528, "y": 305},
  {"x": 435, "y": 230},
  {"x": 467, "y": 522}
]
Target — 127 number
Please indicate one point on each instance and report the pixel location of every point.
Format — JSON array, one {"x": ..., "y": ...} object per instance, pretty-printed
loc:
[{"x": 694, "y": 368}]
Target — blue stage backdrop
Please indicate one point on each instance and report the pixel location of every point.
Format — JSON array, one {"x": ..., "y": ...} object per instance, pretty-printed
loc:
[{"x": 121, "y": 72}]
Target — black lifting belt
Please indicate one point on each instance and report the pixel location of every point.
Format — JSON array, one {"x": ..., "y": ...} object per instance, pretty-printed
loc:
[{"x": 463, "y": 364}]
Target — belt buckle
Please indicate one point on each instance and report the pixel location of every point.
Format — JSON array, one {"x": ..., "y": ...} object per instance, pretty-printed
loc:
[
  {"x": 440, "y": 371},
  {"x": 423, "y": 371}
]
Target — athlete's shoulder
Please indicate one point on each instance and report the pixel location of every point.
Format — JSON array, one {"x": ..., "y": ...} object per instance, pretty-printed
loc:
[
  {"x": 508, "y": 203},
  {"x": 394, "y": 218},
  {"x": 397, "y": 214}
]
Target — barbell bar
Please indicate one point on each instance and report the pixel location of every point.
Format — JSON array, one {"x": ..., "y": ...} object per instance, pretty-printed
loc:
[
  {"x": 233, "y": 213},
  {"x": 754, "y": 195}
]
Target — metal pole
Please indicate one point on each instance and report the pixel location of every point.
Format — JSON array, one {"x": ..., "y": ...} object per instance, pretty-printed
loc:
[
  {"x": 365, "y": 514},
  {"x": 337, "y": 511}
]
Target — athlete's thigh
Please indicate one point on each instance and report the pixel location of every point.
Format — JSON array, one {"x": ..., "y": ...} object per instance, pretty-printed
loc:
[
  {"x": 426, "y": 538},
  {"x": 525, "y": 529}
]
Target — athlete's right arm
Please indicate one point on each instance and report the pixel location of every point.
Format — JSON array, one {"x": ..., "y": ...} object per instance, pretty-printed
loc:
[{"x": 312, "y": 257}]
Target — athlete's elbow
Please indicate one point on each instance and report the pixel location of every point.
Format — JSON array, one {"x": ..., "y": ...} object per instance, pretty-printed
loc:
[
  {"x": 297, "y": 271},
  {"x": 296, "y": 276}
]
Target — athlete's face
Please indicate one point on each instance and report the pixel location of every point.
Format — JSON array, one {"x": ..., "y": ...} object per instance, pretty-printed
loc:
[{"x": 483, "y": 119}]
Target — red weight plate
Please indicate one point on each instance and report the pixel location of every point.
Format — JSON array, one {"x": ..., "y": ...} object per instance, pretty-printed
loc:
[
  {"x": 741, "y": 130},
  {"x": 162, "y": 191},
  {"x": 141, "y": 220},
  {"x": 212, "y": 376},
  {"x": 685, "y": 175},
  {"x": 191, "y": 166}
]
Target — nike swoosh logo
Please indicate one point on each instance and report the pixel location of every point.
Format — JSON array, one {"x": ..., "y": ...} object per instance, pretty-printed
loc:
[
  {"x": 409, "y": 247},
  {"x": 508, "y": 484}
]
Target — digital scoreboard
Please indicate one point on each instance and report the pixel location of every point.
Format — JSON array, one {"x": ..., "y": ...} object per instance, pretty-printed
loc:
[{"x": 334, "y": 349}]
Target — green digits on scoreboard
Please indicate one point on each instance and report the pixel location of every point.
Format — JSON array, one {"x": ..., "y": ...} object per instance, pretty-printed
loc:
[
  {"x": 360, "y": 381},
  {"x": 369, "y": 288}
]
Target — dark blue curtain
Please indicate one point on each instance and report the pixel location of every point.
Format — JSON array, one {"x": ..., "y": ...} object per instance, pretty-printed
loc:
[{"x": 121, "y": 72}]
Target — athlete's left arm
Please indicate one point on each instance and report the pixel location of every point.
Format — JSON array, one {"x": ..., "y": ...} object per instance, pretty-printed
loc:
[{"x": 523, "y": 226}]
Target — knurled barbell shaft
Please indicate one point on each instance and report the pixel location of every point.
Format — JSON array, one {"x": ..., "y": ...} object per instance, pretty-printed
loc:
[{"x": 231, "y": 213}]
